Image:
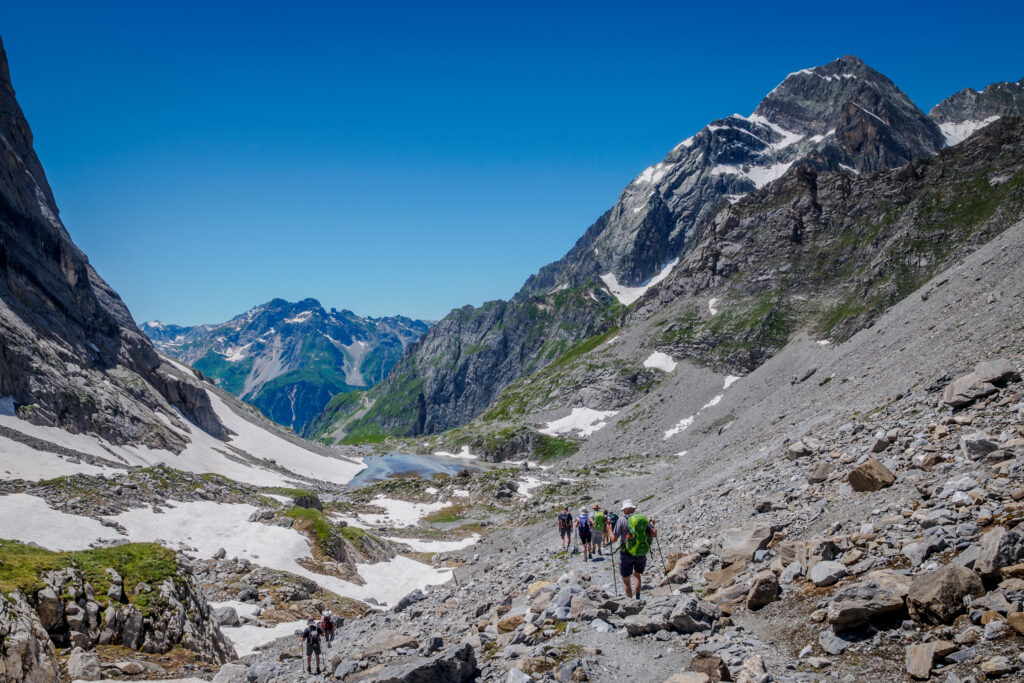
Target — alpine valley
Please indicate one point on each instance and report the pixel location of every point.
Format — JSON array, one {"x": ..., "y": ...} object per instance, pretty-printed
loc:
[
  {"x": 795, "y": 344},
  {"x": 289, "y": 360}
]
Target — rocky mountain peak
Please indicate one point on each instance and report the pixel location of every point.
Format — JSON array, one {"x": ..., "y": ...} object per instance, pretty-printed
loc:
[{"x": 967, "y": 111}]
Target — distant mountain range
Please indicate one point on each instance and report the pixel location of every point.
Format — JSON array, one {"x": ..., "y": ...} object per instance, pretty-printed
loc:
[
  {"x": 289, "y": 359},
  {"x": 843, "y": 117}
]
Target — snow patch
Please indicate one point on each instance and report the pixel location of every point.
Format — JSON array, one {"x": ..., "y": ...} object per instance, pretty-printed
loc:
[
  {"x": 464, "y": 454},
  {"x": 680, "y": 426},
  {"x": 823, "y": 342},
  {"x": 527, "y": 485},
  {"x": 955, "y": 133},
  {"x": 429, "y": 546},
  {"x": 711, "y": 306},
  {"x": 30, "y": 519},
  {"x": 301, "y": 317},
  {"x": 660, "y": 361},
  {"x": 586, "y": 421},
  {"x": 235, "y": 354},
  {"x": 653, "y": 174},
  {"x": 400, "y": 513},
  {"x": 759, "y": 175},
  {"x": 730, "y": 380},
  {"x": 248, "y": 638},
  {"x": 627, "y": 295}
]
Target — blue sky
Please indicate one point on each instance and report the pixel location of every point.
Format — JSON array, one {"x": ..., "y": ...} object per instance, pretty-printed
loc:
[{"x": 408, "y": 158}]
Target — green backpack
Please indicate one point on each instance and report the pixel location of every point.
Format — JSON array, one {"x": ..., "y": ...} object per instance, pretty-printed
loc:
[
  {"x": 638, "y": 543},
  {"x": 598, "y": 519}
]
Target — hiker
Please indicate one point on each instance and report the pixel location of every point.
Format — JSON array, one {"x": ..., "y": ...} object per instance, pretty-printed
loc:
[
  {"x": 584, "y": 528},
  {"x": 565, "y": 527},
  {"x": 311, "y": 637},
  {"x": 327, "y": 626},
  {"x": 606, "y": 533},
  {"x": 597, "y": 532},
  {"x": 634, "y": 533},
  {"x": 610, "y": 520}
]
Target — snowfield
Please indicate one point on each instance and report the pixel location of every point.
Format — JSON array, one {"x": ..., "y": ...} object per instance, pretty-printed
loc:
[
  {"x": 204, "y": 527},
  {"x": 585, "y": 421},
  {"x": 429, "y": 546}
]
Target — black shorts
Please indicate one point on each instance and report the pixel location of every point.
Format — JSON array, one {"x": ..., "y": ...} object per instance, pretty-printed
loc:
[
  {"x": 629, "y": 564},
  {"x": 564, "y": 531},
  {"x": 584, "y": 535},
  {"x": 312, "y": 648}
]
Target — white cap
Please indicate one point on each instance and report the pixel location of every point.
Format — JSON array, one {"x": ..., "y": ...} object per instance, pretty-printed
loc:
[
  {"x": 327, "y": 612},
  {"x": 627, "y": 504}
]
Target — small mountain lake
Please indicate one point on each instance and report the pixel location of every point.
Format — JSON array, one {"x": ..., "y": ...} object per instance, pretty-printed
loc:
[{"x": 392, "y": 465}]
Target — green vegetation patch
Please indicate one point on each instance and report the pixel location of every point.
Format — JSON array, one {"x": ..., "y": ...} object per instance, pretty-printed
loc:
[
  {"x": 550, "y": 448},
  {"x": 21, "y": 567}
]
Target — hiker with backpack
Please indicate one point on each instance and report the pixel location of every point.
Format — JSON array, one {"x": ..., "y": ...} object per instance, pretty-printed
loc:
[
  {"x": 610, "y": 518},
  {"x": 327, "y": 626},
  {"x": 634, "y": 533},
  {"x": 584, "y": 527},
  {"x": 311, "y": 637},
  {"x": 565, "y": 527},
  {"x": 597, "y": 532}
]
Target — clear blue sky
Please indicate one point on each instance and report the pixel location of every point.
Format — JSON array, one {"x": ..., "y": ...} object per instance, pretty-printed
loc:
[{"x": 409, "y": 158}]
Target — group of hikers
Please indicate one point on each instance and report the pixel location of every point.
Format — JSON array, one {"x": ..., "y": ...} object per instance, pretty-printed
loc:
[
  {"x": 314, "y": 631},
  {"x": 599, "y": 528}
]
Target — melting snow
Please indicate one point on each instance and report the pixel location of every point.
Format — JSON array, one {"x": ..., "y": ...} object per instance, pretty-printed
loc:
[
  {"x": 955, "y": 133},
  {"x": 400, "y": 513},
  {"x": 429, "y": 546},
  {"x": 248, "y": 638},
  {"x": 660, "y": 361},
  {"x": 30, "y": 519},
  {"x": 823, "y": 342},
  {"x": 300, "y": 318},
  {"x": 586, "y": 421},
  {"x": 627, "y": 295},
  {"x": 680, "y": 426},
  {"x": 464, "y": 454},
  {"x": 527, "y": 485},
  {"x": 759, "y": 175},
  {"x": 236, "y": 353},
  {"x": 711, "y": 306},
  {"x": 687, "y": 421},
  {"x": 652, "y": 174}
]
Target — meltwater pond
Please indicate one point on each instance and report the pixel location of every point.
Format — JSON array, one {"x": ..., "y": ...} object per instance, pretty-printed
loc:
[{"x": 381, "y": 467}]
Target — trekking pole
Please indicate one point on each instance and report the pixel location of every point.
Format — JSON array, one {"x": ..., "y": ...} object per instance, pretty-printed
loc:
[
  {"x": 664, "y": 564},
  {"x": 615, "y": 581}
]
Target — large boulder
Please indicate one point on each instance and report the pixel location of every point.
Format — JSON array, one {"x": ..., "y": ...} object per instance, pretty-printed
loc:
[
  {"x": 880, "y": 595},
  {"x": 225, "y": 616},
  {"x": 808, "y": 553},
  {"x": 764, "y": 589},
  {"x": 50, "y": 608},
  {"x": 937, "y": 597},
  {"x": 871, "y": 476},
  {"x": 978, "y": 384},
  {"x": 826, "y": 573},
  {"x": 740, "y": 543},
  {"x": 999, "y": 548},
  {"x": 455, "y": 665},
  {"x": 84, "y": 666},
  {"x": 691, "y": 615}
]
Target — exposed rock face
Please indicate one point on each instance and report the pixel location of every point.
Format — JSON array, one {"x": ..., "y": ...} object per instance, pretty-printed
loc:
[
  {"x": 26, "y": 653},
  {"x": 73, "y": 357},
  {"x": 178, "y": 615},
  {"x": 290, "y": 359}
]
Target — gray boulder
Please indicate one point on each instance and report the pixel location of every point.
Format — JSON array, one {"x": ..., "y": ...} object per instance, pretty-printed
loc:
[
  {"x": 740, "y": 543},
  {"x": 826, "y": 573},
  {"x": 764, "y": 589},
  {"x": 84, "y": 666},
  {"x": 999, "y": 548},
  {"x": 455, "y": 665},
  {"x": 880, "y": 594},
  {"x": 225, "y": 616},
  {"x": 977, "y": 445},
  {"x": 978, "y": 384},
  {"x": 938, "y": 597}
]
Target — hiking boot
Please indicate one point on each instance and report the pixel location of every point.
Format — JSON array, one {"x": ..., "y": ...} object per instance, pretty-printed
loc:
[
  {"x": 309, "y": 670},
  {"x": 318, "y": 671}
]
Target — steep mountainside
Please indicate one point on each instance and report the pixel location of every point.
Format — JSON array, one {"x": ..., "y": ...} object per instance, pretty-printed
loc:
[
  {"x": 290, "y": 359},
  {"x": 843, "y": 117},
  {"x": 71, "y": 354},
  {"x": 967, "y": 111}
]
